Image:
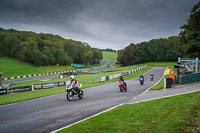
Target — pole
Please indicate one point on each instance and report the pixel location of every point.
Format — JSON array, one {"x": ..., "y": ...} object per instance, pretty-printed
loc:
[
  {"x": 196, "y": 68},
  {"x": 1, "y": 80}
]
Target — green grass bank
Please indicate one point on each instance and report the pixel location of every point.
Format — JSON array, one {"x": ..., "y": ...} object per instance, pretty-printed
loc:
[
  {"x": 109, "y": 56},
  {"x": 168, "y": 115},
  {"x": 11, "y": 68}
]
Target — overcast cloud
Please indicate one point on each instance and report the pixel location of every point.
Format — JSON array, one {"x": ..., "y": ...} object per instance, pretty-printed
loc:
[{"x": 101, "y": 23}]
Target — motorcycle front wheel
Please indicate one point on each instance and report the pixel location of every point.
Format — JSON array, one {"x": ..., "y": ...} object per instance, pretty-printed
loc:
[
  {"x": 80, "y": 96},
  {"x": 121, "y": 89},
  {"x": 69, "y": 97}
]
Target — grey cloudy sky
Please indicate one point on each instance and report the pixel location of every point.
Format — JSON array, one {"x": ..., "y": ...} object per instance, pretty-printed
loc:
[{"x": 101, "y": 23}]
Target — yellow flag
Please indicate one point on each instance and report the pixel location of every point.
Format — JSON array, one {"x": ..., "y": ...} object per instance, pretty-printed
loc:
[{"x": 166, "y": 72}]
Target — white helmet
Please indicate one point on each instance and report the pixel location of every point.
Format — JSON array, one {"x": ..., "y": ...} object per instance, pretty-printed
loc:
[{"x": 71, "y": 77}]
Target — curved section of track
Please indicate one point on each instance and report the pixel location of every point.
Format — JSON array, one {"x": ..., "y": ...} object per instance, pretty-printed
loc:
[{"x": 53, "y": 112}]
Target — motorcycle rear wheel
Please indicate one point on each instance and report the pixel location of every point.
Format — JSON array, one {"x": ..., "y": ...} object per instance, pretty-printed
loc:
[{"x": 69, "y": 97}]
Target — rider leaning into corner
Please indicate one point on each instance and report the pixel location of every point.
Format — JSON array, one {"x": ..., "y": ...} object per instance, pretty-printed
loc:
[
  {"x": 122, "y": 79},
  {"x": 75, "y": 82}
]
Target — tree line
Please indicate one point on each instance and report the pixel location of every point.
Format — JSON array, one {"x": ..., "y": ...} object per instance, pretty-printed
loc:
[
  {"x": 45, "y": 49},
  {"x": 156, "y": 50},
  {"x": 186, "y": 45},
  {"x": 108, "y": 50}
]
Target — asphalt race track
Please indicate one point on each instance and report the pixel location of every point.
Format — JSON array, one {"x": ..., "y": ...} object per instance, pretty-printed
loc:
[{"x": 53, "y": 112}]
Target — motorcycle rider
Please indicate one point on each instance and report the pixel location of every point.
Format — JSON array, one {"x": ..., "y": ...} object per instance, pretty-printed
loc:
[
  {"x": 151, "y": 77},
  {"x": 74, "y": 81},
  {"x": 122, "y": 79},
  {"x": 142, "y": 77}
]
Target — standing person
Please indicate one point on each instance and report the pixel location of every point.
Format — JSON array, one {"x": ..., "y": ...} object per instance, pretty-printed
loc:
[{"x": 171, "y": 75}]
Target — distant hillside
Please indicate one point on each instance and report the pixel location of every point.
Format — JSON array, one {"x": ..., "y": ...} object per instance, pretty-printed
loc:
[
  {"x": 45, "y": 49},
  {"x": 109, "y": 56}
]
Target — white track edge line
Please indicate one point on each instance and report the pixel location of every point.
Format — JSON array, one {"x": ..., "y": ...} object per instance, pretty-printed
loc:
[{"x": 87, "y": 118}]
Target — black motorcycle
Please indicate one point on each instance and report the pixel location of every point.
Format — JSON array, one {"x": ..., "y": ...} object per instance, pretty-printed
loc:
[{"x": 72, "y": 91}]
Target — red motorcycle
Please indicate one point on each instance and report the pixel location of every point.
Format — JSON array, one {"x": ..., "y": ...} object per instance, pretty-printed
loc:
[{"x": 122, "y": 86}]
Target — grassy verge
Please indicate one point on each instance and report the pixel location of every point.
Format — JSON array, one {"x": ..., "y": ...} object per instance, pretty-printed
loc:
[
  {"x": 168, "y": 115},
  {"x": 12, "y": 68},
  {"x": 160, "y": 85}
]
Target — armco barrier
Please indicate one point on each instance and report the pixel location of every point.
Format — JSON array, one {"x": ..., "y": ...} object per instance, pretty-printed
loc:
[
  {"x": 189, "y": 78},
  {"x": 48, "y": 85},
  {"x": 44, "y": 74},
  {"x": 32, "y": 88},
  {"x": 19, "y": 89},
  {"x": 3, "y": 91},
  {"x": 105, "y": 78}
]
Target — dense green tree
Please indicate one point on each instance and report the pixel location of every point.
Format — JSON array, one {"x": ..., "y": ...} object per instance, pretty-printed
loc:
[
  {"x": 190, "y": 35},
  {"x": 120, "y": 56},
  {"x": 154, "y": 50}
]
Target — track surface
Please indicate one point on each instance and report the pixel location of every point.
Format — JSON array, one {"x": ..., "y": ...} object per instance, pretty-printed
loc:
[{"x": 53, "y": 112}]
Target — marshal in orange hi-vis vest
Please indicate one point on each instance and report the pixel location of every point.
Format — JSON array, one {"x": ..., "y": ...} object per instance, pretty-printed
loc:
[{"x": 171, "y": 74}]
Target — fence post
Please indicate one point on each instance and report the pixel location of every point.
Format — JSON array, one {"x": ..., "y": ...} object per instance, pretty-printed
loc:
[
  {"x": 164, "y": 83},
  {"x": 196, "y": 68},
  {"x": 32, "y": 88}
]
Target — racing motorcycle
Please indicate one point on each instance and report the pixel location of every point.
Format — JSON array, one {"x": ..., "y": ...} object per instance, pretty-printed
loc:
[
  {"x": 151, "y": 77},
  {"x": 122, "y": 86},
  {"x": 72, "y": 91},
  {"x": 141, "y": 81}
]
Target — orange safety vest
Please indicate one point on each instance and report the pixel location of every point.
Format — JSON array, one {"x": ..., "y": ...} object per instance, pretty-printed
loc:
[{"x": 171, "y": 75}]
